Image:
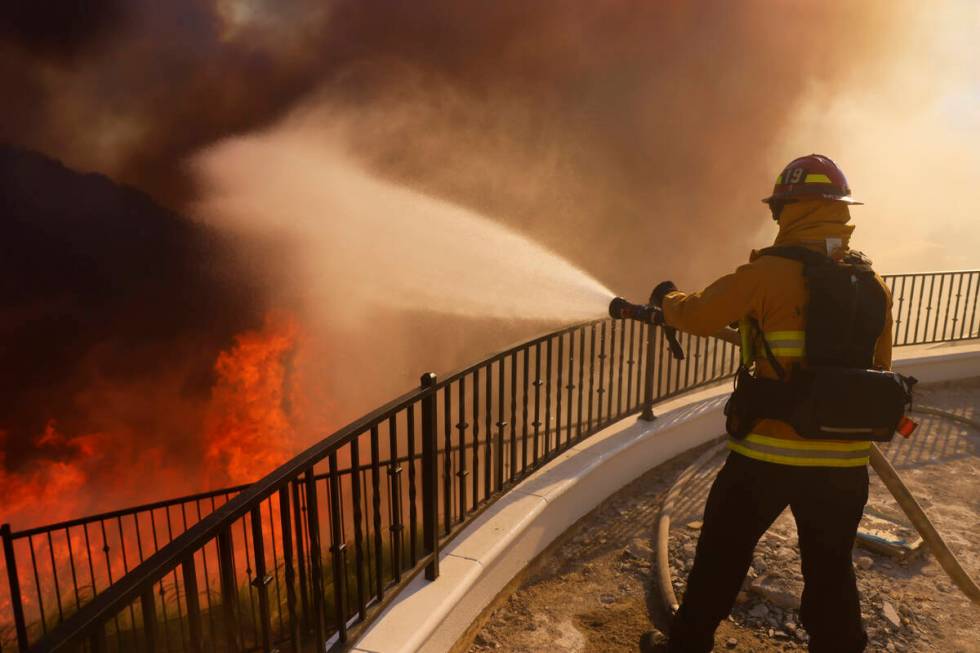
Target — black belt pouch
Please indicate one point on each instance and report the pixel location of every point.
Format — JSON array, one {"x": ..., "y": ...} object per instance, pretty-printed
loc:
[{"x": 850, "y": 404}]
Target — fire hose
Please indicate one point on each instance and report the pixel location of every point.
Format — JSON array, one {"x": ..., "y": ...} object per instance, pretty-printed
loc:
[{"x": 891, "y": 479}]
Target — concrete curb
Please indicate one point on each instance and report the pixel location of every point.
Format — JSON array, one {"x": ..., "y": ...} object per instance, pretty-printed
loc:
[
  {"x": 480, "y": 562},
  {"x": 943, "y": 362}
]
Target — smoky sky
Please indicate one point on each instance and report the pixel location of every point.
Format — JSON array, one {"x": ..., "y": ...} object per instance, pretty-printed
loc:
[
  {"x": 654, "y": 119},
  {"x": 60, "y": 30},
  {"x": 633, "y": 137}
]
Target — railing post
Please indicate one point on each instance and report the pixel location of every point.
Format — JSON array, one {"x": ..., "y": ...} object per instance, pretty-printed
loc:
[
  {"x": 151, "y": 630},
  {"x": 229, "y": 591},
  {"x": 289, "y": 571},
  {"x": 191, "y": 593},
  {"x": 316, "y": 562},
  {"x": 97, "y": 642},
  {"x": 262, "y": 579},
  {"x": 648, "y": 370},
  {"x": 305, "y": 615},
  {"x": 430, "y": 499},
  {"x": 13, "y": 581},
  {"x": 337, "y": 549}
]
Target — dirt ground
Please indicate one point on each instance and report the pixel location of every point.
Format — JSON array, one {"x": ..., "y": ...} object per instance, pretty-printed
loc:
[{"x": 593, "y": 589}]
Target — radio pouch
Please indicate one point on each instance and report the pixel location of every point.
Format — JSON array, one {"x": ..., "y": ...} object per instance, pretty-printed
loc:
[{"x": 835, "y": 403}]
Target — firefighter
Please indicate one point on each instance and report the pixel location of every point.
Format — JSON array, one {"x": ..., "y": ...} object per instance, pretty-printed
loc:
[{"x": 770, "y": 466}]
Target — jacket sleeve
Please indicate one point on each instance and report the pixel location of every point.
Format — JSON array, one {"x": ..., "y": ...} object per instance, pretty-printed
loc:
[
  {"x": 883, "y": 348},
  {"x": 727, "y": 300}
]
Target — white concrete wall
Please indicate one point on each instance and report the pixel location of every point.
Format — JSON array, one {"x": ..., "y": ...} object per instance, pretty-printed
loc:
[{"x": 479, "y": 563}]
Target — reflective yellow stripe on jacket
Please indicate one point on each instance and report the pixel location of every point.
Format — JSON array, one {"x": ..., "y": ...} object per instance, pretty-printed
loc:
[
  {"x": 802, "y": 453},
  {"x": 787, "y": 344}
]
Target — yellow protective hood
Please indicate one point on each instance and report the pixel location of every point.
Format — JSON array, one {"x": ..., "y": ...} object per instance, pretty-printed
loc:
[{"x": 819, "y": 224}]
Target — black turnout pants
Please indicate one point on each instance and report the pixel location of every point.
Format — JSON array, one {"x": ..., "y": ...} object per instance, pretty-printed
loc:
[{"x": 744, "y": 500}]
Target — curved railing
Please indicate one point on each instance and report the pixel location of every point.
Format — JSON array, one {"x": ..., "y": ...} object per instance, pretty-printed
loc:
[{"x": 313, "y": 551}]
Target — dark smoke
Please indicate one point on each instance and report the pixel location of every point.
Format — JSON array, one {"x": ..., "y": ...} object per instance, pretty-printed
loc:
[
  {"x": 652, "y": 119},
  {"x": 60, "y": 29},
  {"x": 634, "y": 137},
  {"x": 99, "y": 286}
]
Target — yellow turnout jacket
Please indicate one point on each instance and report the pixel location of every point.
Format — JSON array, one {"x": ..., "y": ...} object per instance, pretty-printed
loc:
[{"x": 771, "y": 291}]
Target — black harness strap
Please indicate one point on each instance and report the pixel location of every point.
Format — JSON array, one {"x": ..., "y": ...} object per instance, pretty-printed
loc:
[{"x": 836, "y": 395}]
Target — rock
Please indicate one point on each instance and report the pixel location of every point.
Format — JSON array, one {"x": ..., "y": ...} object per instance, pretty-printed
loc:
[
  {"x": 784, "y": 553},
  {"x": 780, "y": 591},
  {"x": 606, "y": 598},
  {"x": 742, "y": 598},
  {"x": 864, "y": 562},
  {"x": 689, "y": 549},
  {"x": 731, "y": 643},
  {"x": 638, "y": 549},
  {"x": 569, "y": 638},
  {"x": 885, "y": 536},
  {"x": 801, "y": 635},
  {"x": 889, "y": 612},
  {"x": 695, "y": 525},
  {"x": 930, "y": 570},
  {"x": 890, "y": 647},
  {"x": 760, "y": 611},
  {"x": 486, "y": 641},
  {"x": 789, "y": 627}
]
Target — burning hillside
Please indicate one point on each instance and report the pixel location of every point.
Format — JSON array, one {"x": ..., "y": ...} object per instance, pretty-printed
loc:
[{"x": 134, "y": 347}]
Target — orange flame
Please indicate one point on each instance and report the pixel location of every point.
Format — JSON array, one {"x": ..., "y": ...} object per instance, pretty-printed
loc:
[
  {"x": 250, "y": 423},
  {"x": 52, "y": 480},
  {"x": 247, "y": 427}
]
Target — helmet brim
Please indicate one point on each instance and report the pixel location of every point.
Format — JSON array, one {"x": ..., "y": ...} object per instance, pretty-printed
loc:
[{"x": 845, "y": 199}]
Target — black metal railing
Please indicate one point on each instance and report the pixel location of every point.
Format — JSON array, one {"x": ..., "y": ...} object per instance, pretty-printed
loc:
[
  {"x": 933, "y": 307},
  {"x": 52, "y": 570},
  {"x": 310, "y": 553}
]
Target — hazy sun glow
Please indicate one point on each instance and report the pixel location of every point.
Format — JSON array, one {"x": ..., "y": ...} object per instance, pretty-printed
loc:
[{"x": 909, "y": 141}]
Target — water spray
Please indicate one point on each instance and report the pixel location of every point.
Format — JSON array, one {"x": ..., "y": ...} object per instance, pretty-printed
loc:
[{"x": 650, "y": 313}]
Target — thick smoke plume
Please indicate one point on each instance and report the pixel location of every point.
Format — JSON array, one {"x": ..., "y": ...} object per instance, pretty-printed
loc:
[
  {"x": 637, "y": 125},
  {"x": 633, "y": 138}
]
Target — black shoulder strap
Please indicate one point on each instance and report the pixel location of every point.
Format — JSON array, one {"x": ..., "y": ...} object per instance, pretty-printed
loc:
[
  {"x": 808, "y": 258},
  {"x": 776, "y": 365},
  {"x": 804, "y": 255}
]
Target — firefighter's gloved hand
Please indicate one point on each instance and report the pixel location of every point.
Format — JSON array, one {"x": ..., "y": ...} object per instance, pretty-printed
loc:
[{"x": 658, "y": 294}]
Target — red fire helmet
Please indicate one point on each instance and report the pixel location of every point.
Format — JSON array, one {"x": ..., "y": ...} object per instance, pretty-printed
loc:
[{"x": 810, "y": 177}]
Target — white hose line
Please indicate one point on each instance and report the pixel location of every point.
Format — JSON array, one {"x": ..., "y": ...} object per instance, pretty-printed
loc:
[{"x": 663, "y": 525}]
